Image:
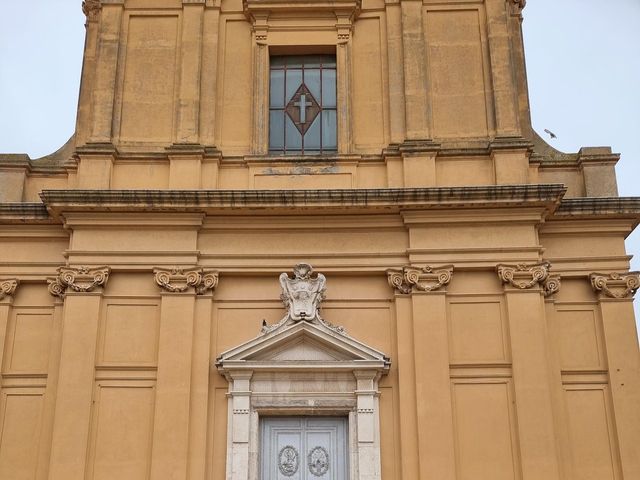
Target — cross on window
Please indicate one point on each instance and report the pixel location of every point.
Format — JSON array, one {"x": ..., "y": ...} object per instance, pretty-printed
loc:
[{"x": 302, "y": 105}]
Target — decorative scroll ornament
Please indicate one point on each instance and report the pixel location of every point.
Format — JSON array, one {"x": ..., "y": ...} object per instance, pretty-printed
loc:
[
  {"x": 318, "y": 461},
  {"x": 524, "y": 276},
  {"x": 616, "y": 285},
  {"x": 551, "y": 285},
  {"x": 302, "y": 296},
  {"x": 179, "y": 280},
  {"x": 426, "y": 279},
  {"x": 288, "y": 461},
  {"x": 91, "y": 8},
  {"x": 78, "y": 279},
  {"x": 8, "y": 287}
]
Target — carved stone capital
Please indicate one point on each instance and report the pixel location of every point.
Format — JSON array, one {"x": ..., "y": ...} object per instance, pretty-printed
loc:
[
  {"x": 551, "y": 285},
  {"x": 8, "y": 287},
  {"x": 78, "y": 279},
  {"x": 91, "y": 9},
  {"x": 615, "y": 285},
  {"x": 524, "y": 276},
  {"x": 517, "y": 6},
  {"x": 424, "y": 279},
  {"x": 178, "y": 280}
]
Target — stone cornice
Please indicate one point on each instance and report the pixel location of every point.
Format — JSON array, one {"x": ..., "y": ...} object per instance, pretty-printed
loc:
[
  {"x": 615, "y": 285},
  {"x": 546, "y": 196},
  {"x": 22, "y": 212},
  {"x": 599, "y": 207}
]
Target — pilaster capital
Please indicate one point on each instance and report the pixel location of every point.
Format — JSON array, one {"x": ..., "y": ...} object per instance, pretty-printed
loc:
[
  {"x": 615, "y": 285},
  {"x": 78, "y": 279},
  {"x": 424, "y": 279},
  {"x": 551, "y": 285},
  {"x": 524, "y": 276},
  {"x": 91, "y": 9},
  {"x": 8, "y": 287},
  {"x": 517, "y": 6},
  {"x": 177, "y": 280}
]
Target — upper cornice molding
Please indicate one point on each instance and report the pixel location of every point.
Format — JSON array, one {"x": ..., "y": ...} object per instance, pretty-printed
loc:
[{"x": 545, "y": 196}]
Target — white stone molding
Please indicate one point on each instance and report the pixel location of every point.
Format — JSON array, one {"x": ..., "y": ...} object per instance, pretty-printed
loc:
[
  {"x": 615, "y": 285},
  {"x": 424, "y": 279},
  {"x": 302, "y": 368},
  {"x": 8, "y": 287},
  {"x": 302, "y": 296},
  {"x": 78, "y": 279},
  {"x": 524, "y": 276},
  {"x": 178, "y": 280}
]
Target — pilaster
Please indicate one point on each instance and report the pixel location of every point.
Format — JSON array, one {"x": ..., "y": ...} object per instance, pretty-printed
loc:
[
  {"x": 95, "y": 165},
  {"x": 427, "y": 287},
  {"x": 7, "y": 290},
  {"x": 368, "y": 418},
  {"x": 415, "y": 71},
  {"x": 504, "y": 91},
  {"x": 523, "y": 289},
  {"x": 187, "y": 128},
  {"x": 185, "y": 166},
  {"x": 171, "y": 435},
  {"x": 239, "y": 425},
  {"x": 106, "y": 68},
  {"x": 81, "y": 289},
  {"x": 396, "y": 74},
  {"x": 615, "y": 292}
]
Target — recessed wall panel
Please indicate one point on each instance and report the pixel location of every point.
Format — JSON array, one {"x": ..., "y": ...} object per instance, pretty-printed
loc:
[
  {"x": 590, "y": 433},
  {"x": 456, "y": 72},
  {"x": 30, "y": 342},
  {"x": 477, "y": 332},
  {"x": 484, "y": 432},
  {"x": 578, "y": 339},
  {"x": 149, "y": 79},
  {"x": 123, "y": 422},
  {"x": 130, "y": 334},
  {"x": 21, "y": 424}
]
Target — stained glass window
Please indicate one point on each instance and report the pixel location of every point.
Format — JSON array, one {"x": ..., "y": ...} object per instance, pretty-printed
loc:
[{"x": 302, "y": 105}]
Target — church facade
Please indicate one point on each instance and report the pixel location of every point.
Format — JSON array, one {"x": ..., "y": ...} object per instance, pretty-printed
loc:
[{"x": 314, "y": 239}]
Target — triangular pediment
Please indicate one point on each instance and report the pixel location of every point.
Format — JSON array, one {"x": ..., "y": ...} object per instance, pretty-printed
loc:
[{"x": 302, "y": 345}]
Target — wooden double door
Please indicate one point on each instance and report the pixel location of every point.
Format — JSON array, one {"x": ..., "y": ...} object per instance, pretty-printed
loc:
[{"x": 304, "y": 448}]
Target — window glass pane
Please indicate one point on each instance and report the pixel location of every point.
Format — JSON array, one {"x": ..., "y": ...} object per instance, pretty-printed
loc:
[
  {"x": 328, "y": 88},
  {"x": 277, "y": 62},
  {"x": 329, "y": 61},
  {"x": 329, "y": 141},
  {"x": 276, "y": 129},
  {"x": 312, "y": 137},
  {"x": 312, "y": 81},
  {"x": 294, "y": 80},
  {"x": 276, "y": 88},
  {"x": 313, "y": 61},
  {"x": 293, "y": 139},
  {"x": 294, "y": 61}
]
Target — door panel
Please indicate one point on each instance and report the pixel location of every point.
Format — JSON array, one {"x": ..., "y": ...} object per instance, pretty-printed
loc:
[{"x": 304, "y": 448}]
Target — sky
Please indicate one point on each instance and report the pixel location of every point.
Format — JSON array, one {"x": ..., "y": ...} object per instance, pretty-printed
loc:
[{"x": 583, "y": 65}]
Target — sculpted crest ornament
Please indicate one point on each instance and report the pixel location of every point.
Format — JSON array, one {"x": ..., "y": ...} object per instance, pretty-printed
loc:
[{"x": 302, "y": 296}]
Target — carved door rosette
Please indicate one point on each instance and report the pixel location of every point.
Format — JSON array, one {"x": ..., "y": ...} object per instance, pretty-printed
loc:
[
  {"x": 8, "y": 287},
  {"x": 615, "y": 285},
  {"x": 424, "y": 279},
  {"x": 77, "y": 279},
  {"x": 177, "y": 280},
  {"x": 524, "y": 276}
]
